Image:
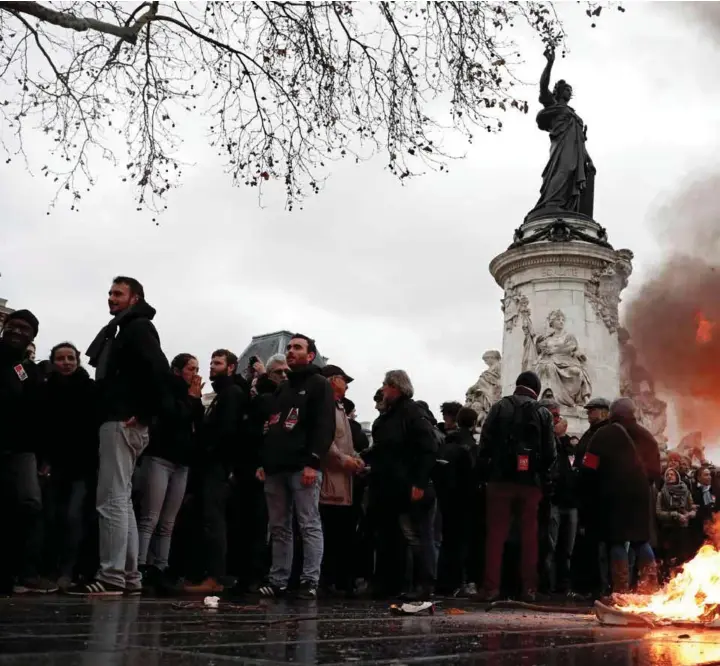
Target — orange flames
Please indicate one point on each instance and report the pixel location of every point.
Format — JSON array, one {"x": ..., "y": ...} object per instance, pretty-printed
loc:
[
  {"x": 704, "y": 333},
  {"x": 693, "y": 595}
]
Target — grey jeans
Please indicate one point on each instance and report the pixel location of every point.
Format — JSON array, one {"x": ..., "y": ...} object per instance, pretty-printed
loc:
[
  {"x": 120, "y": 447},
  {"x": 562, "y": 531},
  {"x": 284, "y": 494},
  {"x": 161, "y": 493}
]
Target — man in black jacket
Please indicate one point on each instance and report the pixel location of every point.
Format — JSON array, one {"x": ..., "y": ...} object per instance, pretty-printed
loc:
[
  {"x": 132, "y": 375},
  {"x": 562, "y": 513},
  {"x": 219, "y": 441},
  {"x": 595, "y": 570},
  {"x": 21, "y": 408},
  {"x": 299, "y": 430},
  {"x": 402, "y": 458},
  {"x": 517, "y": 449}
]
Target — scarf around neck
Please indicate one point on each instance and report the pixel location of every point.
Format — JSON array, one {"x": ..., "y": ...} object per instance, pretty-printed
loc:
[
  {"x": 99, "y": 349},
  {"x": 707, "y": 496},
  {"x": 676, "y": 495}
]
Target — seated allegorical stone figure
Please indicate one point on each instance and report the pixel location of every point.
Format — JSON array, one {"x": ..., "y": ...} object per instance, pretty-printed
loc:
[{"x": 556, "y": 357}]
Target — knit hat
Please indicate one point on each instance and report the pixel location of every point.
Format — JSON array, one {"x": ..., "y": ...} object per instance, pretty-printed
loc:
[
  {"x": 529, "y": 380},
  {"x": 26, "y": 316}
]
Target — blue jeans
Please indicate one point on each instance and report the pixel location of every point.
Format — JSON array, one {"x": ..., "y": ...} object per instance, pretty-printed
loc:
[
  {"x": 285, "y": 493},
  {"x": 161, "y": 493},
  {"x": 562, "y": 531},
  {"x": 120, "y": 447},
  {"x": 622, "y": 552}
]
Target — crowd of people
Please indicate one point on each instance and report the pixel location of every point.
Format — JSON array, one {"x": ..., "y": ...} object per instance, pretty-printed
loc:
[{"x": 128, "y": 483}]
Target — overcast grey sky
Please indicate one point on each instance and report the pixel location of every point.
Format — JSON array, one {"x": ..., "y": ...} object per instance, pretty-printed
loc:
[{"x": 382, "y": 275}]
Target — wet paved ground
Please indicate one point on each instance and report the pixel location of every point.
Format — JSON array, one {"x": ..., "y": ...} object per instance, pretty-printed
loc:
[{"x": 144, "y": 632}]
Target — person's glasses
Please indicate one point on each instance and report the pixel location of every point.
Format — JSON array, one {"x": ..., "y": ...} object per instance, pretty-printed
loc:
[{"x": 278, "y": 372}]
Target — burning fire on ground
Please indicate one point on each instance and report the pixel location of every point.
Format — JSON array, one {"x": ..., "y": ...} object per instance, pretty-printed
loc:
[{"x": 691, "y": 596}]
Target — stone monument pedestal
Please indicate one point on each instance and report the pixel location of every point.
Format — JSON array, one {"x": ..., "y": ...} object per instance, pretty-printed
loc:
[{"x": 562, "y": 282}]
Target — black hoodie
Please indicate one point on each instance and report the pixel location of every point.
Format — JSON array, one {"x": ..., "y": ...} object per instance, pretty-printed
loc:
[
  {"x": 21, "y": 402},
  {"x": 72, "y": 425},
  {"x": 137, "y": 377},
  {"x": 301, "y": 423},
  {"x": 223, "y": 431}
]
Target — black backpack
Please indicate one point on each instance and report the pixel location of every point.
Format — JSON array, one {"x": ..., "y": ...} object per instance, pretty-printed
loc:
[{"x": 520, "y": 452}]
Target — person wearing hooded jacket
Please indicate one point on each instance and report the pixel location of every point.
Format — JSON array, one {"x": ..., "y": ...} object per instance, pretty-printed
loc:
[
  {"x": 517, "y": 452},
  {"x": 132, "y": 373},
  {"x": 220, "y": 441},
  {"x": 675, "y": 512},
  {"x": 299, "y": 431},
  {"x": 72, "y": 457}
]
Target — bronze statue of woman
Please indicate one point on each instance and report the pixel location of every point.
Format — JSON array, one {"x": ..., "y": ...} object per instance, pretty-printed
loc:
[{"x": 568, "y": 178}]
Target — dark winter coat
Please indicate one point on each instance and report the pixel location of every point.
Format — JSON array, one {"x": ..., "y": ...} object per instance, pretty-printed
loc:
[
  {"x": 403, "y": 453},
  {"x": 706, "y": 509},
  {"x": 585, "y": 441},
  {"x": 360, "y": 439},
  {"x": 647, "y": 448},
  {"x": 72, "y": 425},
  {"x": 614, "y": 483},
  {"x": 261, "y": 401},
  {"x": 22, "y": 406},
  {"x": 565, "y": 475},
  {"x": 136, "y": 381},
  {"x": 494, "y": 440},
  {"x": 301, "y": 423},
  {"x": 173, "y": 435},
  {"x": 456, "y": 481},
  {"x": 222, "y": 434}
]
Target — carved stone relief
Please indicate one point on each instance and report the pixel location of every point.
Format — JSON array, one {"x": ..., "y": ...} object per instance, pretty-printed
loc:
[
  {"x": 603, "y": 289},
  {"x": 515, "y": 306}
]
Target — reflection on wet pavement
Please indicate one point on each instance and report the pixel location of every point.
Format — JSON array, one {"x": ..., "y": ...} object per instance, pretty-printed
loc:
[{"x": 146, "y": 632}]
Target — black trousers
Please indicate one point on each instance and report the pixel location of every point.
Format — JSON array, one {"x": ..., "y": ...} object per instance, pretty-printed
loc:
[
  {"x": 65, "y": 501},
  {"x": 456, "y": 536},
  {"x": 248, "y": 548},
  {"x": 214, "y": 493},
  {"x": 340, "y": 535},
  {"x": 21, "y": 510},
  {"x": 417, "y": 524}
]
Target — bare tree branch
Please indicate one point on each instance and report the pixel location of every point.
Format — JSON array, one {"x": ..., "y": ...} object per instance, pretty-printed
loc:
[
  {"x": 128, "y": 33},
  {"x": 281, "y": 88}
]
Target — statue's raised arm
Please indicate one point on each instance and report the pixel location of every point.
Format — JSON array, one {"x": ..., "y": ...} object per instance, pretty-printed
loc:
[{"x": 546, "y": 97}]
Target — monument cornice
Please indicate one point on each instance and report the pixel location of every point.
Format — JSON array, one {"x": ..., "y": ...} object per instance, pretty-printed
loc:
[{"x": 575, "y": 254}]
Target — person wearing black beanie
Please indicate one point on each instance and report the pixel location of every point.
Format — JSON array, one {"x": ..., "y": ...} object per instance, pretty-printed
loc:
[
  {"x": 529, "y": 380},
  {"x": 21, "y": 413},
  {"x": 517, "y": 451}
]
